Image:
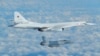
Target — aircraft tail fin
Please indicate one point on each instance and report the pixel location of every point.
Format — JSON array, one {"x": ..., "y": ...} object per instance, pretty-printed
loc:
[
  {"x": 18, "y": 18},
  {"x": 43, "y": 38}
]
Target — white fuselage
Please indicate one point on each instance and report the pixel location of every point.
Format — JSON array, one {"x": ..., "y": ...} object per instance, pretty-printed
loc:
[{"x": 37, "y": 25}]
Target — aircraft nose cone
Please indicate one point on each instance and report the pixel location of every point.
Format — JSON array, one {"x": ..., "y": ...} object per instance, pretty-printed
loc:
[{"x": 90, "y": 23}]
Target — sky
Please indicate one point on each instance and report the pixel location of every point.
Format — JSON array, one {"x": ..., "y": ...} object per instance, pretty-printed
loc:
[{"x": 26, "y": 42}]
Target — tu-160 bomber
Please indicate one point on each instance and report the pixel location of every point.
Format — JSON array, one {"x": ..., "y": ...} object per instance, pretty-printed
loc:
[
  {"x": 21, "y": 22},
  {"x": 54, "y": 43}
]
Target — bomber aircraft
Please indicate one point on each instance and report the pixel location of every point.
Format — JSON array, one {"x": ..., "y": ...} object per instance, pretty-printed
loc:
[
  {"x": 21, "y": 22},
  {"x": 54, "y": 43}
]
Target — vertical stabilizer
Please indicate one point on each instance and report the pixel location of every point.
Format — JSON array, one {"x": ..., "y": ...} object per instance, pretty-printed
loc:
[
  {"x": 43, "y": 38},
  {"x": 18, "y": 18}
]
